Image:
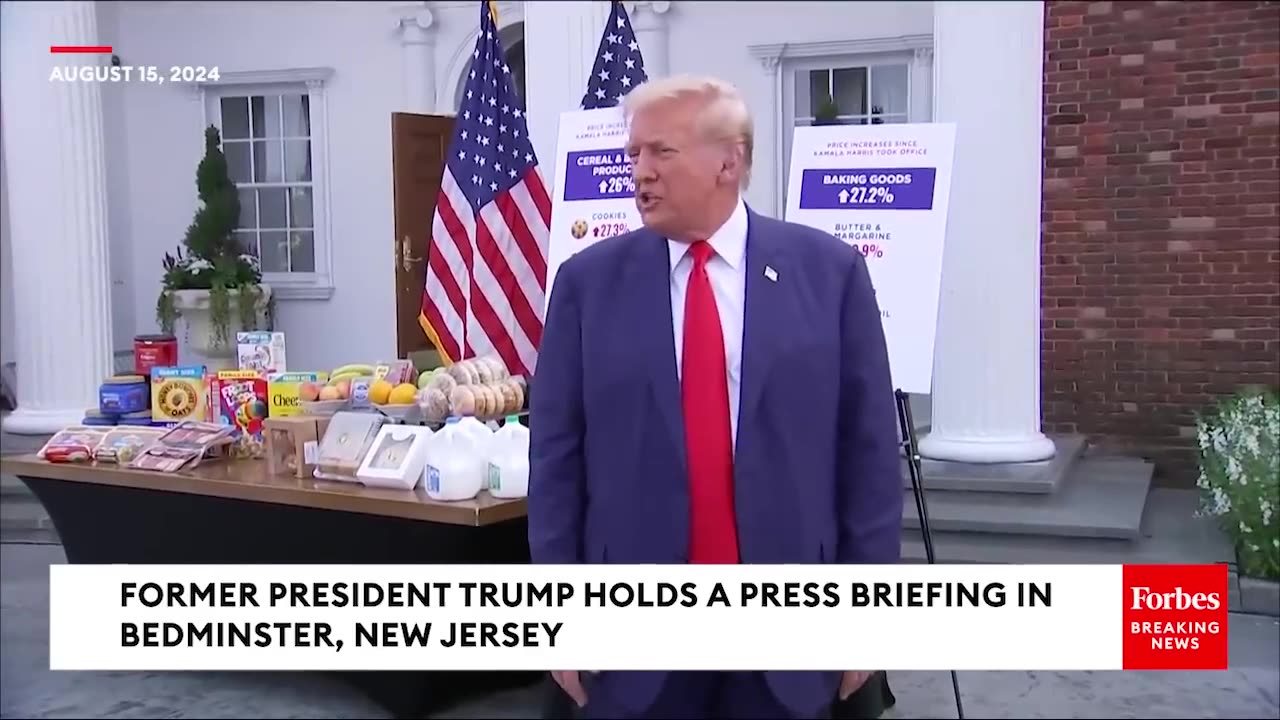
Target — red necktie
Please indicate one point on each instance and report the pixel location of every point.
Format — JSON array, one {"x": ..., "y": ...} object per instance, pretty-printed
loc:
[{"x": 704, "y": 391}]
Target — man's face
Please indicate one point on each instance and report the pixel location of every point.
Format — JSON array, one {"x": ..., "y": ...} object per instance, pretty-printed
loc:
[{"x": 676, "y": 170}]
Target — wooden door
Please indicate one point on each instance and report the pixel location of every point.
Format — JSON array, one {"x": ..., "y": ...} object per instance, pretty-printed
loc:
[{"x": 419, "y": 144}]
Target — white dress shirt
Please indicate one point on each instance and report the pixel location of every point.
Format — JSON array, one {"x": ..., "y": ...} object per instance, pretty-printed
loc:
[{"x": 727, "y": 268}]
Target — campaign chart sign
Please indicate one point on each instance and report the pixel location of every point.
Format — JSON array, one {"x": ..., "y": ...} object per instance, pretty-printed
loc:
[
  {"x": 594, "y": 194},
  {"x": 884, "y": 190}
]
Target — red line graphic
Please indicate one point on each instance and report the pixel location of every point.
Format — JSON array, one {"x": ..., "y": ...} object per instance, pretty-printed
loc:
[{"x": 80, "y": 49}]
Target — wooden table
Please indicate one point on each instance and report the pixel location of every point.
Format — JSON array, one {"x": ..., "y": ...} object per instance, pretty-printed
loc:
[{"x": 233, "y": 512}]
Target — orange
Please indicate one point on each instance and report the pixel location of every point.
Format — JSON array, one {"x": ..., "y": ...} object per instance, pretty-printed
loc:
[{"x": 380, "y": 392}]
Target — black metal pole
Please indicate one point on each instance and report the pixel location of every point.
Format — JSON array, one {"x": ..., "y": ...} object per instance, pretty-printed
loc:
[{"x": 908, "y": 428}]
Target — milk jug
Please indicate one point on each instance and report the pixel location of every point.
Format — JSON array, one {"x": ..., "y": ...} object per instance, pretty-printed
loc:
[
  {"x": 509, "y": 461},
  {"x": 456, "y": 469},
  {"x": 480, "y": 432}
]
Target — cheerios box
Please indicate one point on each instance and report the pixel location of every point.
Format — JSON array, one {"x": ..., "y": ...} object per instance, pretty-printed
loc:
[{"x": 179, "y": 394}]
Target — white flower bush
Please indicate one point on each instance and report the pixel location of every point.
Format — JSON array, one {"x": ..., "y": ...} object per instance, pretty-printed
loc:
[{"x": 1239, "y": 446}]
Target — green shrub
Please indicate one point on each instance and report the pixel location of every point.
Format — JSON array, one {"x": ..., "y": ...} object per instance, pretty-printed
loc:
[{"x": 1239, "y": 447}]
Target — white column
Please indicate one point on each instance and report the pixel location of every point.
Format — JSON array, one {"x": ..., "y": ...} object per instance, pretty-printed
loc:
[
  {"x": 649, "y": 20},
  {"x": 560, "y": 41},
  {"x": 921, "y": 84},
  {"x": 767, "y": 171},
  {"x": 986, "y": 395},
  {"x": 418, "y": 57},
  {"x": 57, "y": 214}
]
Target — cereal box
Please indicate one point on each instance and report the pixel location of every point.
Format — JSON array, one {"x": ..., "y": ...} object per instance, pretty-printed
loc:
[
  {"x": 240, "y": 401},
  {"x": 179, "y": 393},
  {"x": 261, "y": 351},
  {"x": 284, "y": 389}
]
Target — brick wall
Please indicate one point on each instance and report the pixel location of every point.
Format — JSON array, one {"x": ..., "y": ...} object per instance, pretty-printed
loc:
[{"x": 1161, "y": 246}]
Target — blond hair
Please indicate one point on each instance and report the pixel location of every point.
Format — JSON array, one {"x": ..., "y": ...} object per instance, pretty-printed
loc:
[{"x": 725, "y": 115}]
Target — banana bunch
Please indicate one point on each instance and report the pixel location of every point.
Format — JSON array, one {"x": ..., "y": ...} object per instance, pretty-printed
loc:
[{"x": 350, "y": 371}]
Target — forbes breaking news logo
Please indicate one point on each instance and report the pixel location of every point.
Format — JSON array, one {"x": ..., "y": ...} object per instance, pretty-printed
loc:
[{"x": 1175, "y": 617}]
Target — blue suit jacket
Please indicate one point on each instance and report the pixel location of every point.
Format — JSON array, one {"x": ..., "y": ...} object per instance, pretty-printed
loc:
[{"x": 816, "y": 469}]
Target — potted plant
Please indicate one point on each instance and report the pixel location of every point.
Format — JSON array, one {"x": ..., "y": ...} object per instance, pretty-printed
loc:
[
  {"x": 1239, "y": 449},
  {"x": 215, "y": 286},
  {"x": 827, "y": 112}
]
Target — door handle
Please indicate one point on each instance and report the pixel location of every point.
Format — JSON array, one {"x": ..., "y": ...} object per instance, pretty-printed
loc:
[{"x": 406, "y": 254}]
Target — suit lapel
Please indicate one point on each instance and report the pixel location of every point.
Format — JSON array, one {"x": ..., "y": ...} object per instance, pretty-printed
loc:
[
  {"x": 764, "y": 334},
  {"x": 651, "y": 271},
  {"x": 766, "y": 301}
]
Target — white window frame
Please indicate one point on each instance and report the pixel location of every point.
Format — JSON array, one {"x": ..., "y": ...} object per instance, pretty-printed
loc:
[
  {"x": 783, "y": 61},
  {"x": 829, "y": 65},
  {"x": 317, "y": 285}
]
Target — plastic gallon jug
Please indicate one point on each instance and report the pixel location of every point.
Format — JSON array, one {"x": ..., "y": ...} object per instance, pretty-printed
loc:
[
  {"x": 509, "y": 461},
  {"x": 473, "y": 427},
  {"x": 456, "y": 469}
]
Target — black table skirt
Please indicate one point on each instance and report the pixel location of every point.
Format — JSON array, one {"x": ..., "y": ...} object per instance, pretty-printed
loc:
[{"x": 112, "y": 524}]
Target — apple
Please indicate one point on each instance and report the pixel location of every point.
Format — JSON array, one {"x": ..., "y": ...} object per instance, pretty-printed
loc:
[
  {"x": 329, "y": 392},
  {"x": 344, "y": 389},
  {"x": 309, "y": 391}
]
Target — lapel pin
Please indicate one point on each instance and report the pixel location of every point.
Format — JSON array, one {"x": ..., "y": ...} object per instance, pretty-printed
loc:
[{"x": 771, "y": 274}]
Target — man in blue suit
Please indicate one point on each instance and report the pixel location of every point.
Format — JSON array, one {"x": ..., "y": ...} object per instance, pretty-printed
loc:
[{"x": 711, "y": 388}]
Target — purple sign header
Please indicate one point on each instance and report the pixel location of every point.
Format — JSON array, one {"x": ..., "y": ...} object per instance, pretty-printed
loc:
[
  {"x": 598, "y": 175},
  {"x": 867, "y": 189}
]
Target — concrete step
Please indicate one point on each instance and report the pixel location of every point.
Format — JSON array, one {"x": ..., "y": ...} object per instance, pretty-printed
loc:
[
  {"x": 1039, "y": 478},
  {"x": 1170, "y": 533},
  {"x": 1102, "y": 497},
  {"x": 11, "y": 486},
  {"x": 32, "y": 536},
  {"x": 23, "y": 513}
]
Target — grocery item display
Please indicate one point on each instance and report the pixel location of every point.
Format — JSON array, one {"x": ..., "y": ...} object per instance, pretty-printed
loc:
[
  {"x": 448, "y": 433},
  {"x": 478, "y": 387},
  {"x": 186, "y": 444}
]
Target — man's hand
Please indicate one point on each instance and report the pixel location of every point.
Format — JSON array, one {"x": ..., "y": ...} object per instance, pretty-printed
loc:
[
  {"x": 571, "y": 683},
  {"x": 849, "y": 682}
]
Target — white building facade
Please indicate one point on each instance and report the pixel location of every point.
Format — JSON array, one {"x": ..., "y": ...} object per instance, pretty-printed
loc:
[{"x": 99, "y": 178}]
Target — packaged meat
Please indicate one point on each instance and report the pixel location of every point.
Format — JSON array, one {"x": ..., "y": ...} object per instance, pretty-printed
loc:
[{"x": 67, "y": 444}]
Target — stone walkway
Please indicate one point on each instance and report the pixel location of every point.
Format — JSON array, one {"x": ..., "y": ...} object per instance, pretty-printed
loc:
[{"x": 1250, "y": 689}]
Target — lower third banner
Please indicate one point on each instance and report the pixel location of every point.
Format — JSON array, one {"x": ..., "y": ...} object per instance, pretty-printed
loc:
[{"x": 650, "y": 617}]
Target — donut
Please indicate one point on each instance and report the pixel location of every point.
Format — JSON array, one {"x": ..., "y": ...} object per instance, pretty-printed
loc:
[
  {"x": 484, "y": 401},
  {"x": 462, "y": 401},
  {"x": 484, "y": 371},
  {"x": 517, "y": 389},
  {"x": 435, "y": 404},
  {"x": 511, "y": 398},
  {"x": 458, "y": 371},
  {"x": 473, "y": 374},
  {"x": 442, "y": 381},
  {"x": 498, "y": 369}
]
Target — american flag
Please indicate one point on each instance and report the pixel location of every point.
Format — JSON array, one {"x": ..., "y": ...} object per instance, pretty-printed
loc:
[
  {"x": 619, "y": 65},
  {"x": 487, "y": 257}
]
